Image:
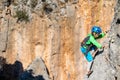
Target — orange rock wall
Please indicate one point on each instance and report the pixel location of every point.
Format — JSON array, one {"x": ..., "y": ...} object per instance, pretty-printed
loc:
[{"x": 58, "y": 41}]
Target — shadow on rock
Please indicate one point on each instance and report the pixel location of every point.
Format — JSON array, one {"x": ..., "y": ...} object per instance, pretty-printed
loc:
[
  {"x": 28, "y": 75},
  {"x": 10, "y": 71},
  {"x": 15, "y": 71}
]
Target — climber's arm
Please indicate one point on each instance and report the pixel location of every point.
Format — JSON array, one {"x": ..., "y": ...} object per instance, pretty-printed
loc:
[{"x": 94, "y": 42}]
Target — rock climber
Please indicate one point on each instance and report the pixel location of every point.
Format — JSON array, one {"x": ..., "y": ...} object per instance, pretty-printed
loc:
[{"x": 89, "y": 46}]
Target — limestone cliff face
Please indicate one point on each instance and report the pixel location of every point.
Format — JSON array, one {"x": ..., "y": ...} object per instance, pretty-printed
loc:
[
  {"x": 107, "y": 65},
  {"x": 54, "y": 32}
]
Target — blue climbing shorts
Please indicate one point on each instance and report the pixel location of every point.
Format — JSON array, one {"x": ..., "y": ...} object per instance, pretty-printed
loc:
[{"x": 88, "y": 56}]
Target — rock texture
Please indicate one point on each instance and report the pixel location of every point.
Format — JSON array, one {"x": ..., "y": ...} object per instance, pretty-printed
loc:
[
  {"x": 107, "y": 65},
  {"x": 36, "y": 71},
  {"x": 52, "y": 30}
]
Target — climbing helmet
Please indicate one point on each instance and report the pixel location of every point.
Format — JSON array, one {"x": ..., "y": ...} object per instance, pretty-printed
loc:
[{"x": 96, "y": 29}]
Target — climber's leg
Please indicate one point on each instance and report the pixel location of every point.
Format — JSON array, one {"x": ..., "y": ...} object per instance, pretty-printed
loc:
[{"x": 89, "y": 67}]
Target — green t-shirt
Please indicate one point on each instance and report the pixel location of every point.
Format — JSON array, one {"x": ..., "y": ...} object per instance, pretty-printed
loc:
[{"x": 93, "y": 40}]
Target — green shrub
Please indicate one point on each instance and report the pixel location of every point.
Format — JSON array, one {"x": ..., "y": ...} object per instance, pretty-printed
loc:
[
  {"x": 24, "y": 2},
  {"x": 16, "y": 2},
  {"x": 22, "y": 16},
  {"x": 34, "y": 3}
]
